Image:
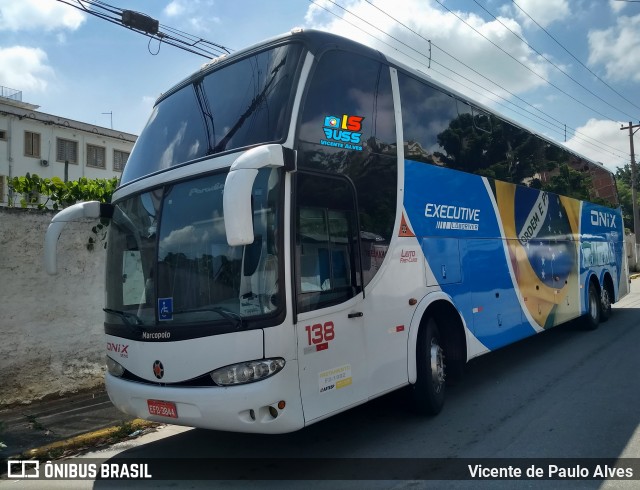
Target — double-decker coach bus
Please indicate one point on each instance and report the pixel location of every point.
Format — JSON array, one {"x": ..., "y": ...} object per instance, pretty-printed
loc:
[{"x": 308, "y": 224}]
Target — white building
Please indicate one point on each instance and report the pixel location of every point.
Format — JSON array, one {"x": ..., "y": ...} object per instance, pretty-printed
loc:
[{"x": 48, "y": 145}]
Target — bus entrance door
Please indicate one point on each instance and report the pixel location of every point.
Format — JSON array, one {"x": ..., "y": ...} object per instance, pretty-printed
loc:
[
  {"x": 332, "y": 360},
  {"x": 330, "y": 326}
]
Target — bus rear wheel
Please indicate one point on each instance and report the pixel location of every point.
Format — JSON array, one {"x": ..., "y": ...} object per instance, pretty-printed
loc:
[
  {"x": 605, "y": 308},
  {"x": 592, "y": 318},
  {"x": 428, "y": 393}
]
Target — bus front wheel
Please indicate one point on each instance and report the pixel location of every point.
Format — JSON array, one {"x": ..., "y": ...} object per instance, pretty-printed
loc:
[
  {"x": 429, "y": 390},
  {"x": 592, "y": 318}
]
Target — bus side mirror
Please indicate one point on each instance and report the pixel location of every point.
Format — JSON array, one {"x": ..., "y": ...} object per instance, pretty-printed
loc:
[
  {"x": 90, "y": 209},
  {"x": 236, "y": 200}
]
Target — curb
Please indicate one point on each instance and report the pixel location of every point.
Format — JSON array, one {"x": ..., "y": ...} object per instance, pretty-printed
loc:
[{"x": 108, "y": 435}]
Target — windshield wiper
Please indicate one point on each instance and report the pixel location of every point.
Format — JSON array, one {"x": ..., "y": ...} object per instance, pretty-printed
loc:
[
  {"x": 129, "y": 318},
  {"x": 225, "y": 313}
]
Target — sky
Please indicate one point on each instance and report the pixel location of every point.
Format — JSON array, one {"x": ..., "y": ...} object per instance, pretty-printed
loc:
[{"x": 569, "y": 69}]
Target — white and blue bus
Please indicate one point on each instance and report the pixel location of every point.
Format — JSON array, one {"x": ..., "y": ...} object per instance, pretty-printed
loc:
[{"x": 308, "y": 224}]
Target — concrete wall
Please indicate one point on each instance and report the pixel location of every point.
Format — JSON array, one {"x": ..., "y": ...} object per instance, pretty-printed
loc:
[{"x": 52, "y": 338}]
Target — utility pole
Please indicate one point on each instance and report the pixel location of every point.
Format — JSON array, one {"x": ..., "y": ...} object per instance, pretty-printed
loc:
[{"x": 634, "y": 180}]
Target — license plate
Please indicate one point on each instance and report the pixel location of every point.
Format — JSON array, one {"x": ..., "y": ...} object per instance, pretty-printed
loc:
[{"x": 162, "y": 408}]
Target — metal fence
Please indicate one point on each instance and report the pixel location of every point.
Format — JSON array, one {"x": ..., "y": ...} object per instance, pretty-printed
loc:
[{"x": 10, "y": 93}]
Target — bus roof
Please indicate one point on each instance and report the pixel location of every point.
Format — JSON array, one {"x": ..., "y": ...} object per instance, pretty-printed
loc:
[{"x": 318, "y": 41}]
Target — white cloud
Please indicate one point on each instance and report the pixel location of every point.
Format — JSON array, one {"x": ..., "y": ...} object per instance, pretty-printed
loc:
[
  {"x": 193, "y": 14},
  {"x": 617, "y": 6},
  {"x": 174, "y": 8},
  {"x": 24, "y": 68},
  {"x": 618, "y": 49},
  {"x": 602, "y": 141},
  {"x": 447, "y": 32},
  {"x": 35, "y": 15},
  {"x": 544, "y": 12}
]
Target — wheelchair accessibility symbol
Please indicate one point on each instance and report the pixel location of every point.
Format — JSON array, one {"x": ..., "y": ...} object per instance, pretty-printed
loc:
[{"x": 165, "y": 309}]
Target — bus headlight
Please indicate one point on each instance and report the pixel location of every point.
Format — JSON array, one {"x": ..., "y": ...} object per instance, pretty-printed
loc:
[
  {"x": 114, "y": 368},
  {"x": 247, "y": 372}
]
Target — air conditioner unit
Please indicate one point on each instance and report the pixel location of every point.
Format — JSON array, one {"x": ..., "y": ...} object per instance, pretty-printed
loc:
[{"x": 44, "y": 163}]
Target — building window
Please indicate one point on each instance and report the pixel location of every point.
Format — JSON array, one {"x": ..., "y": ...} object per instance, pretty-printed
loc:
[
  {"x": 3, "y": 135},
  {"x": 119, "y": 160},
  {"x": 66, "y": 151},
  {"x": 31, "y": 144},
  {"x": 96, "y": 156}
]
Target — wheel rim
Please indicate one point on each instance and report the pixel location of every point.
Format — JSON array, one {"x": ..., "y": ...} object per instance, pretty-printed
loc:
[
  {"x": 606, "y": 300},
  {"x": 437, "y": 365}
]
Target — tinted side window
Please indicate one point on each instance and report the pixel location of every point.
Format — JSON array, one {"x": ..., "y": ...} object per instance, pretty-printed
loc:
[
  {"x": 328, "y": 265},
  {"x": 443, "y": 131},
  {"x": 433, "y": 123},
  {"x": 347, "y": 126}
]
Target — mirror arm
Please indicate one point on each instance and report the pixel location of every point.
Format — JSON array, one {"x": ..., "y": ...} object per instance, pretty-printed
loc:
[{"x": 90, "y": 209}]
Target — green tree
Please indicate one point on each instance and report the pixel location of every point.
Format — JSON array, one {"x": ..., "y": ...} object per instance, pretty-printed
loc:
[{"x": 623, "y": 181}]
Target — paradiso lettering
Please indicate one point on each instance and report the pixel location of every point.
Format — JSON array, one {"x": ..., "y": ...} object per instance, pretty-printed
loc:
[{"x": 343, "y": 132}]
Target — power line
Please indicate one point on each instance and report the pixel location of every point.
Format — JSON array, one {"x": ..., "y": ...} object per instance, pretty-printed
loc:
[
  {"x": 560, "y": 124},
  {"x": 551, "y": 62},
  {"x": 147, "y": 26},
  {"x": 522, "y": 64},
  {"x": 453, "y": 71},
  {"x": 574, "y": 57}
]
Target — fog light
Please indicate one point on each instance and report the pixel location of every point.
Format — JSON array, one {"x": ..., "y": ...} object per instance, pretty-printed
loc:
[
  {"x": 273, "y": 412},
  {"x": 114, "y": 368}
]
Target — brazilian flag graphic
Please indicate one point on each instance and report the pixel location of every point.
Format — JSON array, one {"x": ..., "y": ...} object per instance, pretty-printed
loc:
[{"x": 541, "y": 229}]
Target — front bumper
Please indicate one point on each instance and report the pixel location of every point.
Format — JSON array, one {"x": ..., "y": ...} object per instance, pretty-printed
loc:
[{"x": 243, "y": 408}]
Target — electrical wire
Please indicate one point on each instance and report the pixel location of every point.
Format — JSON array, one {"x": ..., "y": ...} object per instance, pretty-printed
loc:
[
  {"x": 439, "y": 2},
  {"x": 574, "y": 57},
  {"x": 551, "y": 62},
  {"x": 168, "y": 35},
  {"x": 560, "y": 125}
]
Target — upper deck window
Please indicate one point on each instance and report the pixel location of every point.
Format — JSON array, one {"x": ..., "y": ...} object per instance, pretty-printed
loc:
[{"x": 238, "y": 105}]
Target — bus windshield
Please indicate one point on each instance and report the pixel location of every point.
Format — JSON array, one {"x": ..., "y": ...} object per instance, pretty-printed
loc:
[
  {"x": 237, "y": 105},
  {"x": 168, "y": 261}
]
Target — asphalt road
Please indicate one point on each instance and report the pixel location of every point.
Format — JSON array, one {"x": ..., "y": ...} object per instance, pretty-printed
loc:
[{"x": 567, "y": 393}]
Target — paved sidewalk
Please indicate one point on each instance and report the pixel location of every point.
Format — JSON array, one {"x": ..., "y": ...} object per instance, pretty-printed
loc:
[{"x": 39, "y": 424}]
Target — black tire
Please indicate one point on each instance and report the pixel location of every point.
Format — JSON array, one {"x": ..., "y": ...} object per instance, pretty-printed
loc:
[
  {"x": 605, "y": 304},
  {"x": 592, "y": 318},
  {"x": 428, "y": 393}
]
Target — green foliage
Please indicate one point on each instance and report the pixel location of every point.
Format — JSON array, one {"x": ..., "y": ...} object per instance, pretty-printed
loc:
[
  {"x": 59, "y": 194},
  {"x": 623, "y": 181}
]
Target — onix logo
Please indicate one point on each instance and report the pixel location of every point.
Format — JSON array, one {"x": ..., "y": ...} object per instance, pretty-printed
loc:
[
  {"x": 158, "y": 369},
  {"x": 599, "y": 218}
]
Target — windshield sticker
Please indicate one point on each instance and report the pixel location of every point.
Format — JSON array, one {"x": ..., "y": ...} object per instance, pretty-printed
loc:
[
  {"x": 165, "y": 309},
  {"x": 343, "y": 132},
  {"x": 335, "y": 379}
]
